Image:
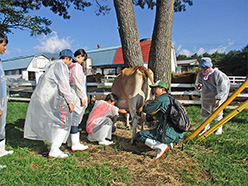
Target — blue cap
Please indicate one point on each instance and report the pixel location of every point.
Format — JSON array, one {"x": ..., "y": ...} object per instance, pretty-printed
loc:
[
  {"x": 67, "y": 53},
  {"x": 206, "y": 62}
]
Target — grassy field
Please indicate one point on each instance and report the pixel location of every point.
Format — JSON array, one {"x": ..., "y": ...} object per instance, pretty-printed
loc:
[{"x": 218, "y": 160}]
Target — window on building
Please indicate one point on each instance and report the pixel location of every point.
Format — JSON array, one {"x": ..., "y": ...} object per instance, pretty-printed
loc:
[{"x": 31, "y": 76}]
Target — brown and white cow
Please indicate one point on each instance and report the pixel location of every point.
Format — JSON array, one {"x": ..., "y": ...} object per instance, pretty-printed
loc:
[{"x": 132, "y": 89}]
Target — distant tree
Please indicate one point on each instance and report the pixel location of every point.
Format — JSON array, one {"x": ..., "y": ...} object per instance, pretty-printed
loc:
[
  {"x": 182, "y": 57},
  {"x": 234, "y": 63},
  {"x": 16, "y": 14}
]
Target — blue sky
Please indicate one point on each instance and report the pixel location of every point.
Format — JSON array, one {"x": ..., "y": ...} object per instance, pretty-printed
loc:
[{"x": 207, "y": 26}]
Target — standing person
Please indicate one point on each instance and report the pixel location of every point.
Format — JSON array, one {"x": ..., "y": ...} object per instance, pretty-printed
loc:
[
  {"x": 49, "y": 111},
  {"x": 157, "y": 108},
  {"x": 78, "y": 84},
  {"x": 99, "y": 126},
  {"x": 214, "y": 86},
  {"x": 3, "y": 99}
]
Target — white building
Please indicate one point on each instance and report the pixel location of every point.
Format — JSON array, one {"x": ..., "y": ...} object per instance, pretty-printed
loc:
[{"x": 25, "y": 67}]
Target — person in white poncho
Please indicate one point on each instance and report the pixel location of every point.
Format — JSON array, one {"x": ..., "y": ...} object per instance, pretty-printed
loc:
[
  {"x": 3, "y": 99},
  {"x": 49, "y": 111},
  {"x": 214, "y": 86},
  {"x": 99, "y": 126},
  {"x": 78, "y": 84}
]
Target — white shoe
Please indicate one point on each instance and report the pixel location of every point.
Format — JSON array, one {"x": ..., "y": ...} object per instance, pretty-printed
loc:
[
  {"x": 162, "y": 149},
  {"x": 207, "y": 127},
  {"x": 105, "y": 142},
  {"x": 219, "y": 131},
  {"x": 4, "y": 152},
  {"x": 76, "y": 145}
]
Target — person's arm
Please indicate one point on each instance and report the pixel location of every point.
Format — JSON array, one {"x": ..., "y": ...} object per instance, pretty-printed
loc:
[
  {"x": 222, "y": 84},
  {"x": 62, "y": 76},
  {"x": 79, "y": 81},
  {"x": 198, "y": 82},
  {"x": 122, "y": 111}
]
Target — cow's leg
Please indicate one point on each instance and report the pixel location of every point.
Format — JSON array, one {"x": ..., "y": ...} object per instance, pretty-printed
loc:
[
  {"x": 115, "y": 120},
  {"x": 134, "y": 124},
  {"x": 128, "y": 121},
  {"x": 143, "y": 115}
]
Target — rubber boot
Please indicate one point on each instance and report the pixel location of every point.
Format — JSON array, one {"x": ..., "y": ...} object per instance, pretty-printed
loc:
[
  {"x": 219, "y": 130},
  {"x": 55, "y": 152},
  {"x": 161, "y": 147},
  {"x": 171, "y": 146},
  {"x": 206, "y": 127},
  {"x": 75, "y": 143},
  {"x": 150, "y": 143},
  {"x": 3, "y": 152},
  {"x": 105, "y": 142},
  {"x": 69, "y": 142}
]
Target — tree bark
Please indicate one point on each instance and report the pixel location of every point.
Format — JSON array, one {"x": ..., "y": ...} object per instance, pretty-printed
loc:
[
  {"x": 128, "y": 31},
  {"x": 160, "y": 52}
]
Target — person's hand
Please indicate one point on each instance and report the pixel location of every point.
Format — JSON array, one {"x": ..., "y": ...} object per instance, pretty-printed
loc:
[
  {"x": 71, "y": 108},
  {"x": 148, "y": 101},
  {"x": 141, "y": 120},
  {"x": 1, "y": 113},
  {"x": 216, "y": 103},
  {"x": 83, "y": 102}
]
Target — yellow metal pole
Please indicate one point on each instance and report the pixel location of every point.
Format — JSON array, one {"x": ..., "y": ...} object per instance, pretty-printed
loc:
[
  {"x": 223, "y": 121},
  {"x": 218, "y": 110}
]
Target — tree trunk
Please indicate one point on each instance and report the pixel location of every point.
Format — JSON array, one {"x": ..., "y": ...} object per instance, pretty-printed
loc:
[
  {"x": 160, "y": 53},
  {"x": 128, "y": 31}
]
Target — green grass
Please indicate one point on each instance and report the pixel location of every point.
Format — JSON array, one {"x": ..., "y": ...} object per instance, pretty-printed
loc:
[
  {"x": 223, "y": 158},
  {"x": 29, "y": 164}
]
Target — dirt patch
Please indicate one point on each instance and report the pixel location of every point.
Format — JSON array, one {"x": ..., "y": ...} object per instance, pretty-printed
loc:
[{"x": 138, "y": 160}]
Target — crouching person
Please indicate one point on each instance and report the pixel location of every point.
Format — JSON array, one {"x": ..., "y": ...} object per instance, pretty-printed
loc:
[
  {"x": 99, "y": 126},
  {"x": 49, "y": 111},
  {"x": 157, "y": 108}
]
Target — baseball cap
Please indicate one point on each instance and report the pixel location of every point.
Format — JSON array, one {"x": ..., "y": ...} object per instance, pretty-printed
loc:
[
  {"x": 206, "y": 62},
  {"x": 160, "y": 83},
  {"x": 67, "y": 53}
]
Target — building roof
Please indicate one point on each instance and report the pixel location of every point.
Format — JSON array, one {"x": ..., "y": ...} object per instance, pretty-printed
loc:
[
  {"x": 112, "y": 56},
  {"x": 21, "y": 62},
  {"x": 187, "y": 62},
  {"x": 103, "y": 56},
  {"x": 145, "y": 49}
]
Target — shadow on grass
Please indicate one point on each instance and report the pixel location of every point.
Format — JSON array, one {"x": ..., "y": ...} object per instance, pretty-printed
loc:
[{"x": 14, "y": 138}]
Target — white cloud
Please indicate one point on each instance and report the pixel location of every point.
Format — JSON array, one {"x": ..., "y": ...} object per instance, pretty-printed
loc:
[
  {"x": 53, "y": 44},
  {"x": 185, "y": 52},
  {"x": 221, "y": 49},
  {"x": 179, "y": 48},
  {"x": 200, "y": 51}
]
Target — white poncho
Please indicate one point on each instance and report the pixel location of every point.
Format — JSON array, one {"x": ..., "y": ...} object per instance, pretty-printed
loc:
[{"x": 48, "y": 109}]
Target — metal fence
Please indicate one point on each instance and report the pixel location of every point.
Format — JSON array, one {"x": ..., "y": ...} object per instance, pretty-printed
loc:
[{"x": 20, "y": 90}]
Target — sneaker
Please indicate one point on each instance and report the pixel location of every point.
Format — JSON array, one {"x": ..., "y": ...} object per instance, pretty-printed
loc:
[{"x": 105, "y": 142}]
